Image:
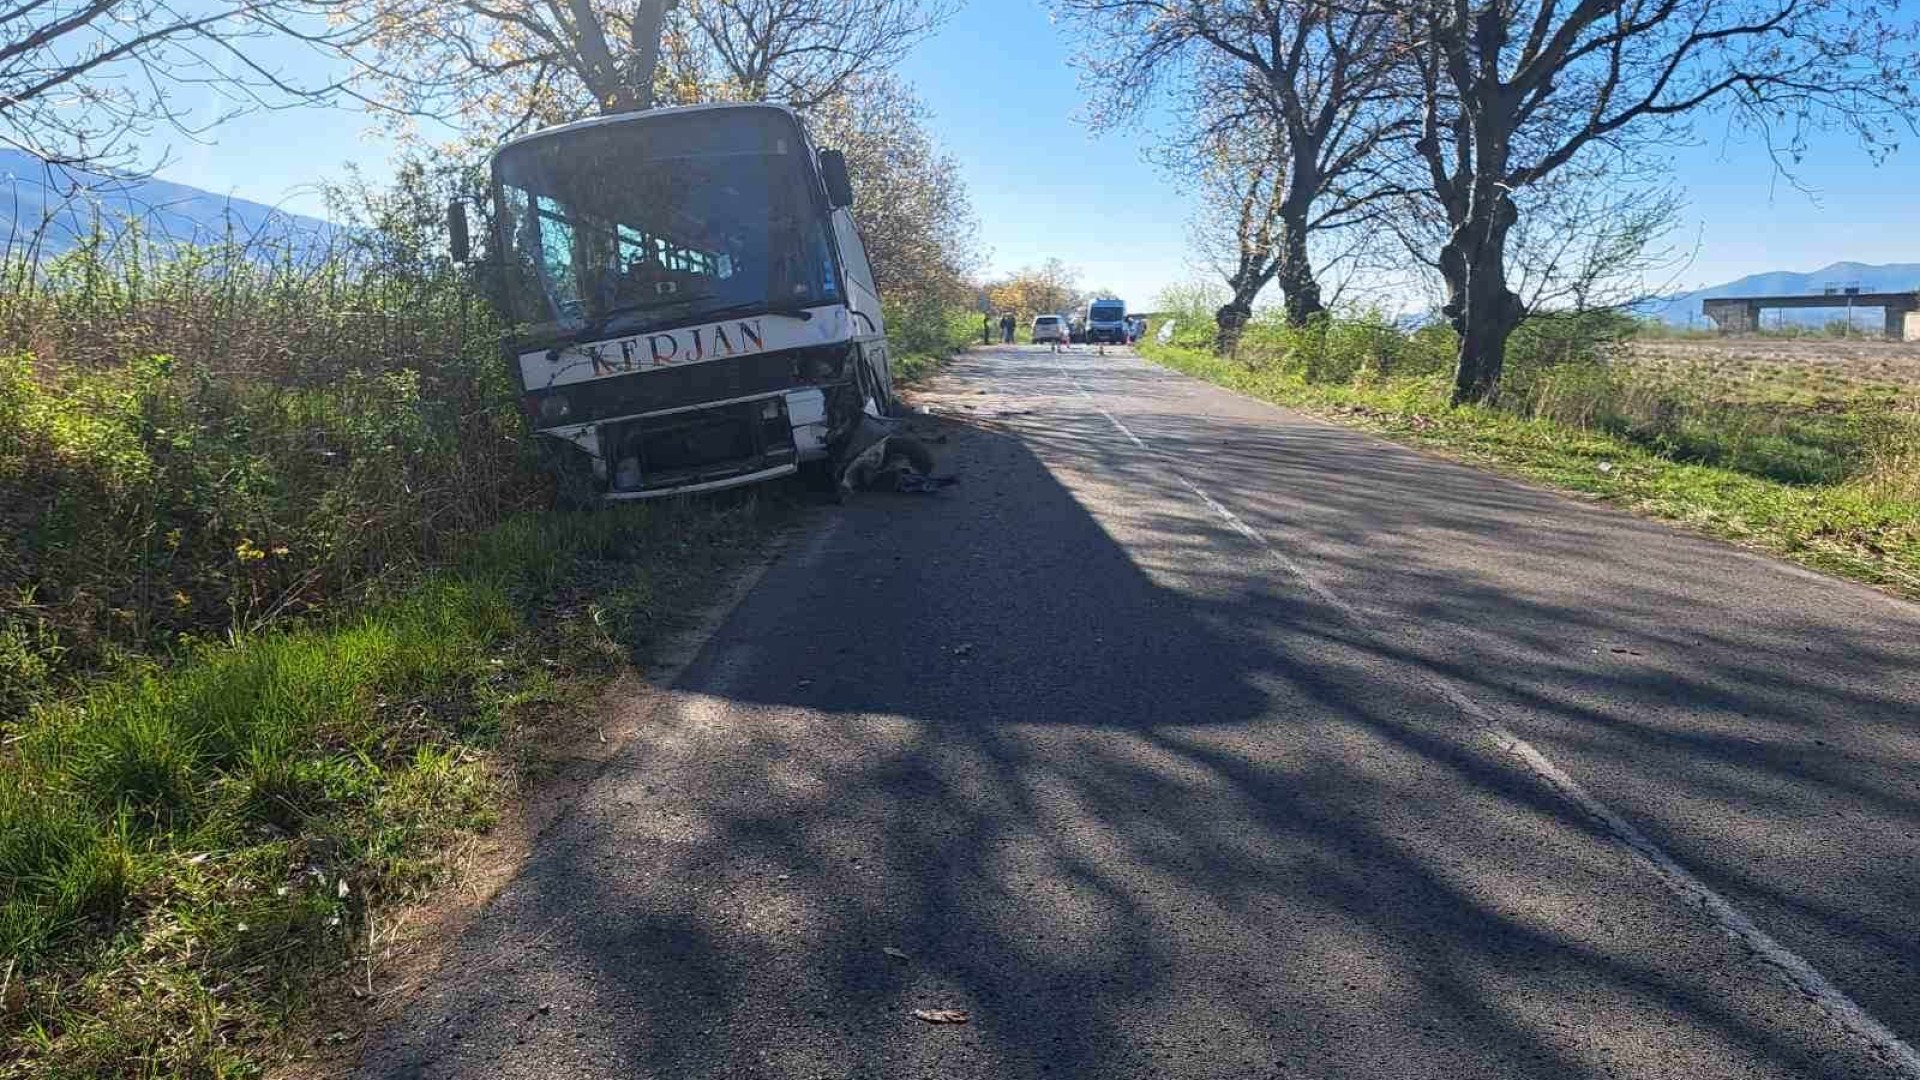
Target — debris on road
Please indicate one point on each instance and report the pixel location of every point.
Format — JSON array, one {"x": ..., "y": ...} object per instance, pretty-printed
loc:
[
  {"x": 897, "y": 954},
  {"x": 907, "y": 483},
  {"x": 884, "y": 457},
  {"x": 941, "y": 1016}
]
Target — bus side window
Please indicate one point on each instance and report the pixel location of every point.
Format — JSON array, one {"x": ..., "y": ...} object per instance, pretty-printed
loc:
[{"x": 557, "y": 255}]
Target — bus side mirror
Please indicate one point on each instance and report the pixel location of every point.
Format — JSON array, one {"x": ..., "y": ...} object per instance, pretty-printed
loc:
[
  {"x": 833, "y": 169},
  {"x": 457, "y": 237}
]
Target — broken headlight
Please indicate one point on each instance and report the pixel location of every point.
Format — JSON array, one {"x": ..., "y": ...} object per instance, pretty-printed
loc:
[{"x": 820, "y": 366}]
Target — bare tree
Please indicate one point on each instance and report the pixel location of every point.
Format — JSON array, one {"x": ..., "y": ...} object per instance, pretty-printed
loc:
[
  {"x": 912, "y": 208},
  {"x": 1319, "y": 73},
  {"x": 500, "y": 67},
  {"x": 1514, "y": 91},
  {"x": 82, "y": 81},
  {"x": 1591, "y": 238},
  {"x": 1592, "y": 235},
  {"x": 1238, "y": 227},
  {"x": 801, "y": 51}
]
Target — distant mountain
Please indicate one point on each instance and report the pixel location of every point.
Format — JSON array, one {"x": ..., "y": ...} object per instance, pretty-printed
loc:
[
  {"x": 55, "y": 207},
  {"x": 1684, "y": 309}
]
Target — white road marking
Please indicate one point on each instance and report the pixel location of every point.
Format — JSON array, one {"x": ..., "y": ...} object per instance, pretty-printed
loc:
[{"x": 1795, "y": 971}]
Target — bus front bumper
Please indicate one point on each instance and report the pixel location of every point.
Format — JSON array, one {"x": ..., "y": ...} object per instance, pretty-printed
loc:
[{"x": 722, "y": 484}]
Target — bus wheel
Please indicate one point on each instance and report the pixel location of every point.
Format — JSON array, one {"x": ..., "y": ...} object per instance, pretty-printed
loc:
[{"x": 817, "y": 476}]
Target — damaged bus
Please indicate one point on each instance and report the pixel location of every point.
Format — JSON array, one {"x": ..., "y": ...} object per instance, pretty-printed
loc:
[{"x": 691, "y": 303}]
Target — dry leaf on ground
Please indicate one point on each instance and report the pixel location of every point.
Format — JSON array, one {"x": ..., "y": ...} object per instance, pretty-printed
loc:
[{"x": 941, "y": 1016}]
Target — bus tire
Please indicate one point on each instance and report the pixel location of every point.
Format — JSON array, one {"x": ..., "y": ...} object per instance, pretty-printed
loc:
[{"x": 817, "y": 476}]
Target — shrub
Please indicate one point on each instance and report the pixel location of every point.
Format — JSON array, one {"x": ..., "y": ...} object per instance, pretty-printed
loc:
[
  {"x": 1570, "y": 368},
  {"x": 1553, "y": 339},
  {"x": 1191, "y": 308},
  {"x": 193, "y": 443},
  {"x": 921, "y": 334}
]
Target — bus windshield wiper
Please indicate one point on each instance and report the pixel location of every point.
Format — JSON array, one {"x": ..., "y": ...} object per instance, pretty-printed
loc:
[
  {"x": 598, "y": 323},
  {"x": 759, "y": 307}
]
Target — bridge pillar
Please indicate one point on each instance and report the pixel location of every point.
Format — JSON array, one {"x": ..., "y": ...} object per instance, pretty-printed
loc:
[
  {"x": 1732, "y": 316},
  {"x": 1902, "y": 323}
]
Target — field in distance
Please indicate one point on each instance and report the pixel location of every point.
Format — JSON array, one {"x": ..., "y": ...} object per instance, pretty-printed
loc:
[{"x": 1801, "y": 370}]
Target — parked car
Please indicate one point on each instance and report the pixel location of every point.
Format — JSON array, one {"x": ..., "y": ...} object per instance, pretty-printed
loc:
[{"x": 1049, "y": 328}]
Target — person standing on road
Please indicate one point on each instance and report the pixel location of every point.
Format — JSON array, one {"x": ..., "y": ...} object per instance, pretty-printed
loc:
[{"x": 1006, "y": 329}]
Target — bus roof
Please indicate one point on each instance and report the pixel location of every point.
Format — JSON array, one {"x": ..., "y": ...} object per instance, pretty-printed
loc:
[{"x": 644, "y": 114}]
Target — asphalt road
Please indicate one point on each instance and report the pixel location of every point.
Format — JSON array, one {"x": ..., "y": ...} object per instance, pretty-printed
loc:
[{"x": 1188, "y": 737}]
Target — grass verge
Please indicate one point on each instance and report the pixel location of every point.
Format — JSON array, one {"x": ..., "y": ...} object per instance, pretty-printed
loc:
[
  {"x": 925, "y": 336},
  {"x": 913, "y": 368},
  {"x": 190, "y": 854},
  {"x": 1861, "y": 529}
]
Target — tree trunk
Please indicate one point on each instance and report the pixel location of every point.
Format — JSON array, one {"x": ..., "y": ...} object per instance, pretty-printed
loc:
[
  {"x": 646, "y": 49},
  {"x": 1298, "y": 288},
  {"x": 1489, "y": 310},
  {"x": 1229, "y": 323},
  {"x": 1453, "y": 275}
]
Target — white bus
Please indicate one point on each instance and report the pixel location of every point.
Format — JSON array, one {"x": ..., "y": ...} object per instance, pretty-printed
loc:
[{"x": 692, "y": 306}]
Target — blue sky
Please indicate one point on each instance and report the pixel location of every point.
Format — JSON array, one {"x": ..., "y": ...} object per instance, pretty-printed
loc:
[{"x": 1007, "y": 104}]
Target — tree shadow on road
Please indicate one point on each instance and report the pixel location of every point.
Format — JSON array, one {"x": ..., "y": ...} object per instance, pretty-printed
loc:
[{"x": 1142, "y": 805}]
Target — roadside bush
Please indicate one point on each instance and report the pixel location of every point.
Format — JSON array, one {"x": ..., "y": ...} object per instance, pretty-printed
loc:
[
  {"x": 1190, "y": 307},
  {"x": 194, "y": 443},
  {"x": 921, "y": 334},
  {"x": 1575, "y": 369},
  {"x": 1554, "y": 339},
  {"x": 1361, "y": 347}
]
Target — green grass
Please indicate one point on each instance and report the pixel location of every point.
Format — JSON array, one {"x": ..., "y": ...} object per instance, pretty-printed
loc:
[
  {"x": 912, "y": 368},
  {"x": 1837, "y": 494},
  {"x": 279, "y": 620},
  {"x": 189, "y": 852},
  {"x": 201, "y": 460}
]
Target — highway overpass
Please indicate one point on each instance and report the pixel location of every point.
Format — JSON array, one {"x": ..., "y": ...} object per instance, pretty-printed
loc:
[{"x": 1741, "y": 314}]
